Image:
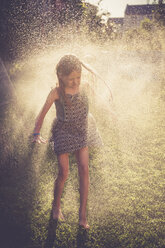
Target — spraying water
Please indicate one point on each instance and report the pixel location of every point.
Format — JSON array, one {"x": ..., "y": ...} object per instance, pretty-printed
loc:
[{"x": 127, "y": 125}]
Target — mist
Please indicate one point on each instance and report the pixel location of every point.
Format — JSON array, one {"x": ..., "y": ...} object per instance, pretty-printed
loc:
[{"x": 126, "y": 186}]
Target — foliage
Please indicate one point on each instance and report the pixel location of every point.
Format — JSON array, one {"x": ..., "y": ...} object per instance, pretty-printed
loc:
[
  {"x": 148, "y": 36},
  {"x": 97, "y": 29},
  {"x": 31, "y": 23},
  {"x": 159, "y": 14},
  {"x": 146, "y": 24}
]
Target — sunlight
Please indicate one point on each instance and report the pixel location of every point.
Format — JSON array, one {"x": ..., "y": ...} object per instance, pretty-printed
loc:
[{"x": 116, "y": 7}]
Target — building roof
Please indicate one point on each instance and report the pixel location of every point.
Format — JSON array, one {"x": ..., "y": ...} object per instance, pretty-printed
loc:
[{"x": 146, "y": 9}]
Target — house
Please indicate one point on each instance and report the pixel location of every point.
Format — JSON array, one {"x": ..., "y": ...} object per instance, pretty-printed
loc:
[{"x": 135, "y": 14}]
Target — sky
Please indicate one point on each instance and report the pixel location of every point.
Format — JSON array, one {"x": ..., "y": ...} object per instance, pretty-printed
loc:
[{"x": 117, "y": 7}]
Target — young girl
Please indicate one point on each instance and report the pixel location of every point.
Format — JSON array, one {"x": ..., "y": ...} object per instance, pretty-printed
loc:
[{"x": 73, "y": 131}]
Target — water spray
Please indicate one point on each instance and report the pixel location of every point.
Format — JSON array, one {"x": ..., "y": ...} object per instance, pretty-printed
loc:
[{"x": 88, "y": 67}]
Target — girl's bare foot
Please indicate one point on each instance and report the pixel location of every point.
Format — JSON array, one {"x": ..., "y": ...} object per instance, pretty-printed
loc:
[
  {"x": 84, "y": 224},
  {"x": 82, "y": 221},
  {"x": 57, "y": 214}
]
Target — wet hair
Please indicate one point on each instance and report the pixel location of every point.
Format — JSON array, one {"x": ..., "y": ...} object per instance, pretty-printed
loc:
[
  {"x": 68, "y": 64},
  {"x": 65, "y": 66}
]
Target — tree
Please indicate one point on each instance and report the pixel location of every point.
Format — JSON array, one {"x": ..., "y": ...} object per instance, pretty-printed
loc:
[
  {"x": 95, "y": 20},
  {"x": 146, "y": 24},
  {"x": 28, "y": 22},
  {"x": 159, "y": 14}
]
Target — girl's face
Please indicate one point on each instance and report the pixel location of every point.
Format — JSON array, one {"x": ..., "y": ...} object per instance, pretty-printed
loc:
[{"x": 72, "y": 80}]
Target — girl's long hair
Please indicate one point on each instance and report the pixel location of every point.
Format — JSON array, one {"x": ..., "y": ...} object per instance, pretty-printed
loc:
[{"x": 67, "y": 65}]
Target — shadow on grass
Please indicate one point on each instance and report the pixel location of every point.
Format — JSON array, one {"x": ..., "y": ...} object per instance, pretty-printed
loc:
[
  {"x": 16, "y": 202},
  {"x": 82, "y": 237},
  {"x": 17, "y": 184},
  {"x": 52, "y": 227}
]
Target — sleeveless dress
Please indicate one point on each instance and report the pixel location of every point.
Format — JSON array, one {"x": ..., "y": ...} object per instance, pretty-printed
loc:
[{"x": 74, "y": 127}]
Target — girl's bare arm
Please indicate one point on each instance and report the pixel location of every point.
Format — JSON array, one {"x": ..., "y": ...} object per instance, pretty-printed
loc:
[{"x": 53, "y": 95}]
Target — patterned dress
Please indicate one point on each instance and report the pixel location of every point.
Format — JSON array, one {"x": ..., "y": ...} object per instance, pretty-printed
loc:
[{"x": 74, "y": 127}]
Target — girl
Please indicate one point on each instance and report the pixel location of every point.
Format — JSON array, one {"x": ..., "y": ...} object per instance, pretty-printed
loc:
[{"x": 73, "y": 130}]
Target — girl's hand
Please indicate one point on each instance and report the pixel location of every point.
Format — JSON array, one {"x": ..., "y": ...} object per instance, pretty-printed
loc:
[{"x": 39, "y": 139}]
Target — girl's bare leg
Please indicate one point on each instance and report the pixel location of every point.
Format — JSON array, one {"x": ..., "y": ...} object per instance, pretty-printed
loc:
[
  {"x": 83, "y": 160},
  {"x": 63, "y": 165}
]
